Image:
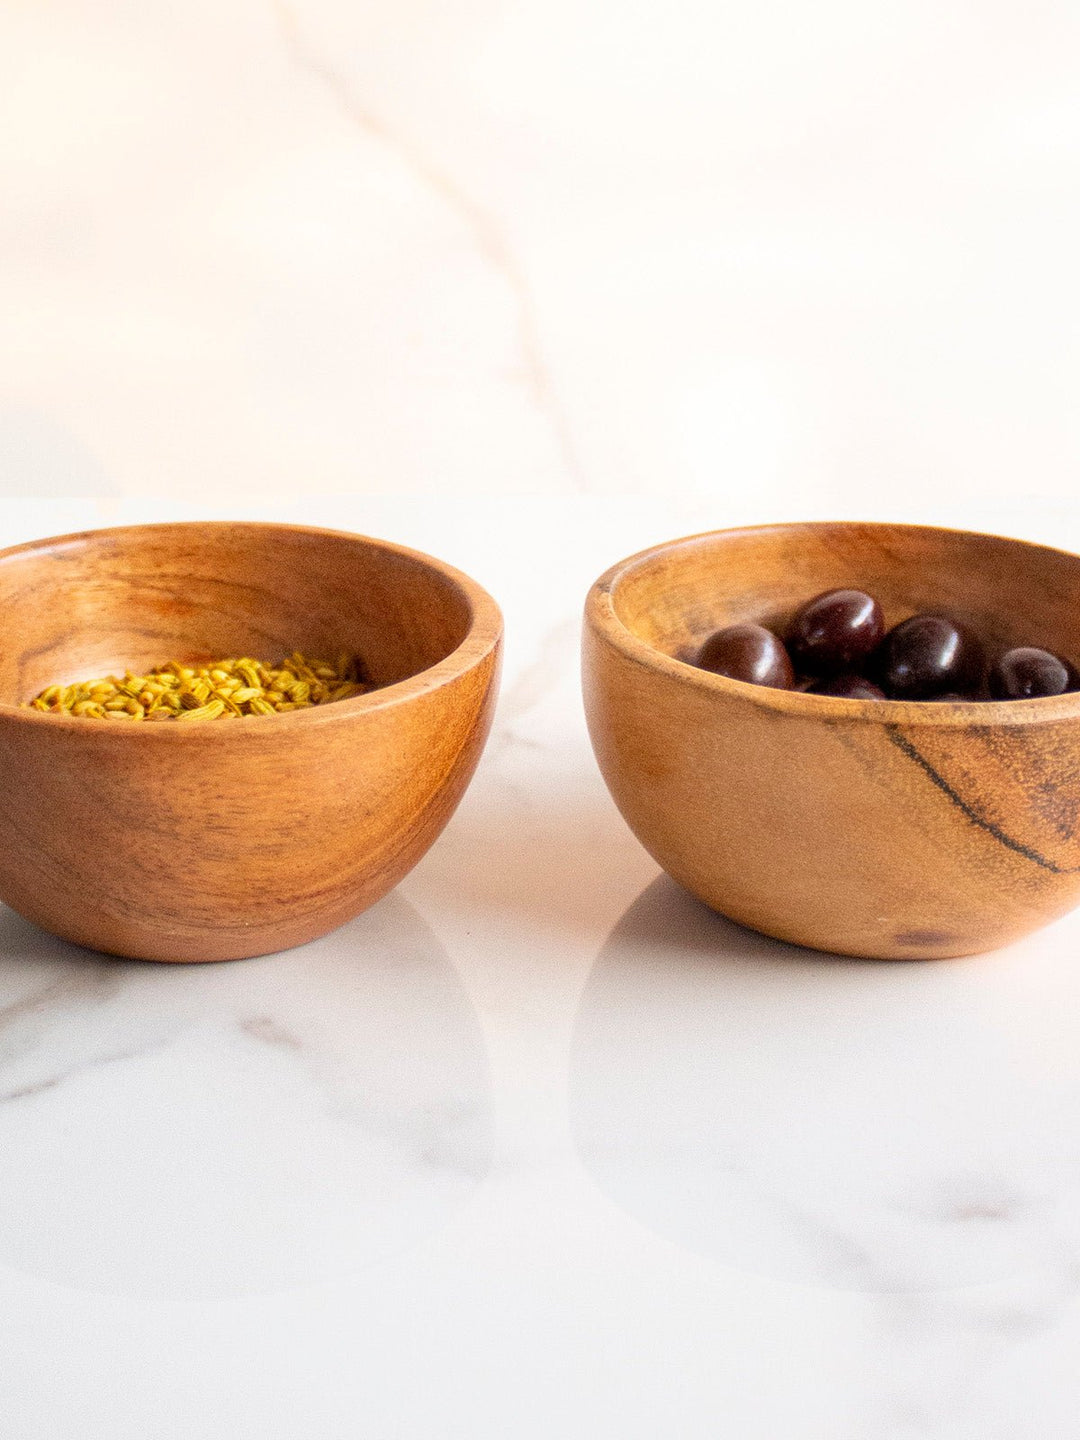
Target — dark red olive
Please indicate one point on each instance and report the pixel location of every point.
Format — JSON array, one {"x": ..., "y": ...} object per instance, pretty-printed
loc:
[
  {"x": 835, "y": 632},
  {"x": 750, "y": 653},
  {"x": 927, "y": 656},
  {"x": 848, "y": 687},
  {"x": 1024, "y": 673}
]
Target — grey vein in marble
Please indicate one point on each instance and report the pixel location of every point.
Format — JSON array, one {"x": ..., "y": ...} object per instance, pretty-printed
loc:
[
  {"x": 271, "y": 1032},
  {"x": 50, "y": 1082},
  {"x": 219, "y": 1130},
  {"x": 444, "y": 1134},
  {"x": 812, "y": 1118},
  {"x": 488, "y": 235}
]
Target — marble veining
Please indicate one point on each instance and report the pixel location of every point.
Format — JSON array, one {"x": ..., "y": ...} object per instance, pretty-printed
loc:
[
  {"x": 538, "y": 1146},
  {"x": 489, "y": 235},
  {"x": 810, "y": 1119},
  {"x": 50, "y": 1082},
  {"x": 235, "y": 1129}
]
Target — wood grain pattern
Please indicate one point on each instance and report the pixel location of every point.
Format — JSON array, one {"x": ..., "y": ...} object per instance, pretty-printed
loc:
[
  {"x": 232, "y": 838},
  {"x": 886, "y": 829}
]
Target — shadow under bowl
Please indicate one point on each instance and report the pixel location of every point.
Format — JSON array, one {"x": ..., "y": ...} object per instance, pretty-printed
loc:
[
  {"x": 877, "y": 828},
  {"x": 232, "y": 838}
]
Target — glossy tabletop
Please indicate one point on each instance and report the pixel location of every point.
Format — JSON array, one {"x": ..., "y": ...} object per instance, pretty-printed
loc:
[{"x": 537, "y": 1146}]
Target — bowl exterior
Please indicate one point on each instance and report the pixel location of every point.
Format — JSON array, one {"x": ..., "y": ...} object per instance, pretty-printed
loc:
[
  {"x": 259, "y": 836},
  {"x": 843, "y": 834}
]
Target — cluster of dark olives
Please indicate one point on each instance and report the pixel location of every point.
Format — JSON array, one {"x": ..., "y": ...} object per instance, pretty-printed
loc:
[{"x": 837, "y": 645}]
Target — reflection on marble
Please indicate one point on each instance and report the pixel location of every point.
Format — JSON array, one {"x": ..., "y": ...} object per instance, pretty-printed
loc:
[
  {"x": 229, "y": 1129},
  {"x": 853, "y": 1124},
  {"x": 177, "y": 1132}
]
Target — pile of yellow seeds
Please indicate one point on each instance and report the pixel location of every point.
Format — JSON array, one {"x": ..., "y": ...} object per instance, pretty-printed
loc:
[{"x": 220, "y": 690}]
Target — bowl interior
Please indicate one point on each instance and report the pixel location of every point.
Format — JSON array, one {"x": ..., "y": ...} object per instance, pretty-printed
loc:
[
  {"x": 102, "y": 602},
  {"x": 1011, "y": 592}
]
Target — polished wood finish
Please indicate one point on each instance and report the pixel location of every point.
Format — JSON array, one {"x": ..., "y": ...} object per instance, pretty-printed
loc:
[
  {"x": 231, "y": 838},
  {"x": 886, "y": 829}
]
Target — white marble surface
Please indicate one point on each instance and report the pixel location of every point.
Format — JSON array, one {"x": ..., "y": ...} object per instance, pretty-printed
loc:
[{"x": 538, "y": 1147}]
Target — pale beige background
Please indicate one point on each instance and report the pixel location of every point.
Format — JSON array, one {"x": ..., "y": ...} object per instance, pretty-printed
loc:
[{"x": 801, "y": 250}]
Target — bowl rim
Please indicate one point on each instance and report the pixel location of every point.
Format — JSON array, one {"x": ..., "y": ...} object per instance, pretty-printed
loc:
[
  {"x": 604, "y": 620},
  {"x": 482, "y": 638}
]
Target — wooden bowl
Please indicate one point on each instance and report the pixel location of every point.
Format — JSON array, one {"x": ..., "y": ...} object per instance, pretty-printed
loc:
[
  {"x": 230, "y": 838},
  {"x": 888, "y": 829}
]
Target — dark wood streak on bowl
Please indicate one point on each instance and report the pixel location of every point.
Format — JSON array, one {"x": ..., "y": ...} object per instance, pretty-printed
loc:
[{"x": 887, "y": 829}]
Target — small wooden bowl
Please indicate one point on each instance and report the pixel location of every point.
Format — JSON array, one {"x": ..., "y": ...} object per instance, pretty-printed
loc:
[
  {"x": 886, "y": 829},
  {"x": 231, "y": 838}
]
